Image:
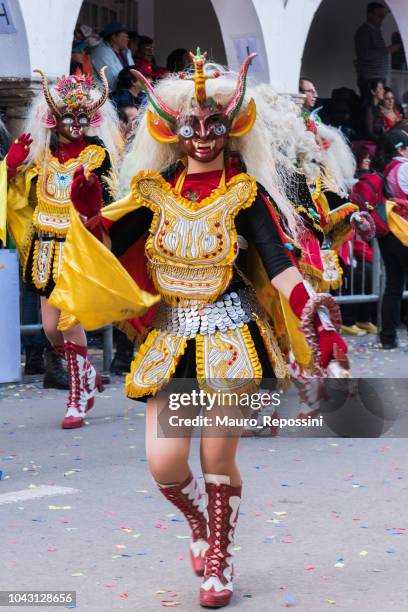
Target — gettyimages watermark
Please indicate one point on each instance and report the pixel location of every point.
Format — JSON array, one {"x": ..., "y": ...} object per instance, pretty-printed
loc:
[{"x": 359, "y": 407}]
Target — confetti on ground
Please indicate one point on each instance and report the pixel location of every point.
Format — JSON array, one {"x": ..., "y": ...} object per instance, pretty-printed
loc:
[{"x": 59, "y": 508}]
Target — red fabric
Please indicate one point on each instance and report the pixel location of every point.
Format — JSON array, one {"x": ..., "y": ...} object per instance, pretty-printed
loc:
[
  {"x": 328, "y": 339},
  {"x": 362, "y": 251},
  {"x": 18, "y": 152},
  {"x": 69, "y": 150},
  {"x": 86, "y": 194},
  {"x": 389, "y": 123},
  {"x": 369, "y": 191}
]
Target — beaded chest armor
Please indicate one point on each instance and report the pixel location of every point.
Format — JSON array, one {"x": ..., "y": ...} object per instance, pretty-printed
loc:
[
  {"x": 52, "y": 212},
  {"x": 192, "y": 246},
  {"x": 51, "y": 217},
  {"x": 191, "y": 250}
]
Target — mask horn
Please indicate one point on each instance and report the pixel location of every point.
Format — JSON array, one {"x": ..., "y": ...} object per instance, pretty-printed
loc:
[
  {"x": 234, "y": 104},
  {"x": 47, "y": 94},
  {"x": 161, "y": 108},
  {"x": 94, "y": 106}
]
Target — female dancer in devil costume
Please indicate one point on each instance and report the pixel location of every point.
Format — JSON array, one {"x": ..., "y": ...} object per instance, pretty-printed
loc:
[
  {"x": 194, "y": 221},
  {"x": 38, "y": 172}
]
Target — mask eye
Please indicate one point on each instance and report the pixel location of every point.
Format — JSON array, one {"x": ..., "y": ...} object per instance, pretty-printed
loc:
[
  {"x": 83, "y": 120},
  {"x": 219, "y": 129},
  {"x": 186, "y": 131},
  {"x": 67, "y": 120}
]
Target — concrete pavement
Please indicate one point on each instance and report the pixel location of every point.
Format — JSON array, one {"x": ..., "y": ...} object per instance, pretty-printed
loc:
[{"x": 323, "y": 522}]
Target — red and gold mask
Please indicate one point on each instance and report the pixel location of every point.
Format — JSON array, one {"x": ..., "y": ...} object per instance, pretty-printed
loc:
[{"x": 204, "y": 130}]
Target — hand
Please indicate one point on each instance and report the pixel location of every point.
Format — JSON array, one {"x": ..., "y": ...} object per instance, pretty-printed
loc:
[
  {"x": 363, "y": 223},
  {"x": 18, "y": 152},
  {"x": 86, "y": 193},
  {"x": 330, "y": 343}
]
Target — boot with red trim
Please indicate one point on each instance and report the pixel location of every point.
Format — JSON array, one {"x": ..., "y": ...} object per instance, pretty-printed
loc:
[
  {"x": 223, "y": 506},
  {"x": 83, "y": 382},
  {"x": 188, "y": 499}
]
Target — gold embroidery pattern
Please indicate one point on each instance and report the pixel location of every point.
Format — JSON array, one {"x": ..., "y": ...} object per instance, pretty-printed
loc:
[
  {"x": 52, "y": 213},
  {"x": 183, "y": 232},
  {"x": 154, "y": 364},
  {"x": 272, "y": 347},
  {"x": 42, "y": 259},
  {"x": 332, "y": 272},
  {"x": 56, "y": 267},
  {"x": 228, "y": 361}
]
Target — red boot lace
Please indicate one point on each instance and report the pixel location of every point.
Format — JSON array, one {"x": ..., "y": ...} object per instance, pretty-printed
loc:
[
  {"x": 219, "y": 526},
  {"x": 194, "y": 516},
  {"x": 74, "y": 380}
]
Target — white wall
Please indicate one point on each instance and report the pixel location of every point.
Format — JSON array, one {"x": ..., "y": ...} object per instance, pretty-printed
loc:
[
  {"x": 186, "y": 24},
  {"x": 14, "y": 54},
  {"x": 239, "y": 21},
  {"x": 329, "y": 53}
]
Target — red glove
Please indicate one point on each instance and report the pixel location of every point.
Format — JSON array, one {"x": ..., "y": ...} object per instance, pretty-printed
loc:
[
  {"x": 18, "y": 153},
  {"x": 86, "y": 193},
  {"x": 329, "y": 340}
]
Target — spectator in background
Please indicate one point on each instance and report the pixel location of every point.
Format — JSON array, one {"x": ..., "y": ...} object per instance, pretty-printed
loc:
[
  {"x": 145, "y": 61},
  {"x": 127, "y": 122},
  {"x": 113, "y": 52},
  {"x": 373, "y": 55},
  {"x": 307, "y": 88},
  {"x": 398, "y": 61},
  {"x": 133, "y": 44},
  {"x": 389, "y": 109},
  {"x": 85, "y": 34},
  {"x": 373, "y": 117},
  {"x": 77, "y": 58},
  {"x": 178, "y": 60},
  {"x": 128, "y": 90},
  {"x": 363, "y": 160}
]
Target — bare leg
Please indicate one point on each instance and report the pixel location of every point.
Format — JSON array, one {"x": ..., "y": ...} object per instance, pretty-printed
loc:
[
  {"x": 76, "y": 335},
  {"x": 218, "y": 456},
  {"x": 167, "y": 457},
  {"x": 50, "y": 317}
]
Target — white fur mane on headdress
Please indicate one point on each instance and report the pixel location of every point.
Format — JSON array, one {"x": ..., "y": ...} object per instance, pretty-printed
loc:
[{"x": 269, "y": 157}]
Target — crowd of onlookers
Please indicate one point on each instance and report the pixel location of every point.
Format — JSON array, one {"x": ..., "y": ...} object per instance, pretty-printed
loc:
[
  {"x": 374, "y": 121},
  {"x": 121, "y": 50}
]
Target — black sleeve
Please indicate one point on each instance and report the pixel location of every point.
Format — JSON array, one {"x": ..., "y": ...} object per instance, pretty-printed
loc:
[
  {"x": 128, "y": 229},
  {"x": 256, "y": 225},
  {"x": 104, "y": 169}
]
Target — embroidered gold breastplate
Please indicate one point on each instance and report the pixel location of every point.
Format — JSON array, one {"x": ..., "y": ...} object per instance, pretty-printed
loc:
[
  {"x": 52, "y": 213},
  {"x": 192, "y": 246}
]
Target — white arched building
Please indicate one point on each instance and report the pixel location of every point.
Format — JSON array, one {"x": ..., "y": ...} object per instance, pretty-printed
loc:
[{"x": 312, "y": 37}]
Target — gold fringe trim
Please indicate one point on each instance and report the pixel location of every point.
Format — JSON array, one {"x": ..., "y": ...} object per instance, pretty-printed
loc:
[
  {"x": 340, "y": 214},
  {"x": 66, "y": 321},
  {"x": 37, "y": 283},
  {"x": 272, "y": 348},
  {"x": 132, "y": 391},
  {"x": 316, "y": 226},
  {"x": 57, "y": 253},
  {"x": 192, "y": 206},
  {"x": 46, "y": 205}
]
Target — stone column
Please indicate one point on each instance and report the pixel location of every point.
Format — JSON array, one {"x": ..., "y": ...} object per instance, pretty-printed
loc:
[{"x": 15, "y": 98}]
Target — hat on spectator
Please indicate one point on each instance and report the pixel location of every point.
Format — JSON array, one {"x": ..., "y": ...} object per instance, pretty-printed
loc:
[
  {"x": 397, "y": 139},
  {"x": 91, "y": 39},
  {"x": 78, "y": 46},
  {"x": 113, "y": 28}
]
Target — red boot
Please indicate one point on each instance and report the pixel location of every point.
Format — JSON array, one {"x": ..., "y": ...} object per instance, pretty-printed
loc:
[
  {"x": 223, "y": 506},
  {"x": 188, "y": 499},
  {"x": 83, "y": 382}
]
